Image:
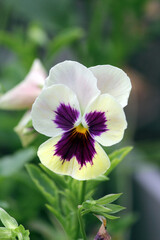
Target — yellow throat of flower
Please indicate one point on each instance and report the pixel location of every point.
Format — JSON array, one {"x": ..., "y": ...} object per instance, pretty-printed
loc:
[{"x": 81, "y": 129}]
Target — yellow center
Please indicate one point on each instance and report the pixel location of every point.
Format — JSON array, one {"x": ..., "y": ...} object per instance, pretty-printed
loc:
[{"x": 81, "y": 129}]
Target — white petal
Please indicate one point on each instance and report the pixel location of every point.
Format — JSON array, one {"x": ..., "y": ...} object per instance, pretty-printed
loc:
[
  {"x": 114, "y": 81},
  {"x": 43, "y": 110},
  {"x": 100, "y": 162},
  {"x": 77, "y": 77},
  {"x": 115, "y": 119}
]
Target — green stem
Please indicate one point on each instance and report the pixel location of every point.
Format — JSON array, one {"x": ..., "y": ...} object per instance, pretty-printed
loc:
[
  {"x": 81, "y": 199},
  {"x": 81, "y": 225},
  {"x": 82, "y": 191}
]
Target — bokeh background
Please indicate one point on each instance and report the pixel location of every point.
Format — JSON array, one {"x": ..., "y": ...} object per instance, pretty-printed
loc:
[{"x": 122, "y": 33}]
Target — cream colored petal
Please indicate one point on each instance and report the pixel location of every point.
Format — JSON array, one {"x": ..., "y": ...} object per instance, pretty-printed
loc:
[
  {"x": 100, "y": 162},
  {"x": 115, "y": 119}
]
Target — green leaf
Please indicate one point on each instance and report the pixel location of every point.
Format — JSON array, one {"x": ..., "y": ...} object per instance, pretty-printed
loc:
[
  {"x": 111, "y": 217},
  {"x": 88, "y": 204},
  {"x": 8, "y": 221},
  {"x": 11, "y": 229},
  {"x": 116, "y": 157},
  {"x": 21, "y": 233},
  {"x": 114, "y": 208},
  {"x": 13, "y": 163},
  {"x": 101, "y": 178},
  {"x": 58, "y": 179},
  {"x": 93, "y": 207},
  {"x": 108, "y": 198},
  {"x": 56, "y": 213},
  {"x": 43, "y": 182}
]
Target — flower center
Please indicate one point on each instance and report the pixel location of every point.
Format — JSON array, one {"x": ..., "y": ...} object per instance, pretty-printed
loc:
[{"x": 81, "y": 129}]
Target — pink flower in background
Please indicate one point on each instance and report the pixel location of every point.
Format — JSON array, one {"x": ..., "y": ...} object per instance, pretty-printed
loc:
[{"x": 23, "y": 95}]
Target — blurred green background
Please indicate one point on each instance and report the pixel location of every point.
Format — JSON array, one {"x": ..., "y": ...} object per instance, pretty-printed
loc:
[{"x": 122, "y": 33}]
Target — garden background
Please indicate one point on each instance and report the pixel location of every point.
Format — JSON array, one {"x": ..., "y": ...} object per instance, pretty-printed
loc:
[{"x": 122, "y": 33}]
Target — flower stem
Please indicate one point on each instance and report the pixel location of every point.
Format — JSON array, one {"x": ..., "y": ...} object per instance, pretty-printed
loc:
[
  {"x": 81, "y": 225},
  {"x": 81, "y": 199},
  {"x": 82, "y": 191}
]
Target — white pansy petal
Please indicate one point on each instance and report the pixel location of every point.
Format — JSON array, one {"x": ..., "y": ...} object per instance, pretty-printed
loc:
[
  {"x": 114, "y": 81},
  {"x": 77, "y": 77},
  {"x": 46, "y": 153},
  {"x": 56, "y": 110},
  {"x": 105, "y": 120}
]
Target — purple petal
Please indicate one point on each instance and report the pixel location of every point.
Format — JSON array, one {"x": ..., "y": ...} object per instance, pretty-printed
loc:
[
  {"x": 96, "y": 122},
  {"x": 76, "y": 144},
  {"x": 66, "y": 116}
]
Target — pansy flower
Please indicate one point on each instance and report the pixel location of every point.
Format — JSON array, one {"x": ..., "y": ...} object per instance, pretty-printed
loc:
[{"x": 80, "y": 117}]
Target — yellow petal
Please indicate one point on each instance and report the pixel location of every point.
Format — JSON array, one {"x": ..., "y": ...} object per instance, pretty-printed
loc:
[{"x": 100, "y": 162}]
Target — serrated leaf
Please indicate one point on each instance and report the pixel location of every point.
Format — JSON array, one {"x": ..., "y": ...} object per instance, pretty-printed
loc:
[
  {"x": 13, "y": 163},
  {"x": 108, "y": 198},
  {"x": 71, "y": 197},
  {"x": 43, "y": 182},
  {"x": 8, "y": 221},
  {"x": 56, "y": 213},
  {"x": 58, "y": 179},
  {"x": 114, "y": 208},
  {"x": 116, "y": 157}
]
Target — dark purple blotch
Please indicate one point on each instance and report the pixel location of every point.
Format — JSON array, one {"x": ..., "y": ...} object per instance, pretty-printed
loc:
[
  {"x": 75, "y": 144},
  {"x": 66, "y": 116},
  {"x": 96, "y": 123}
]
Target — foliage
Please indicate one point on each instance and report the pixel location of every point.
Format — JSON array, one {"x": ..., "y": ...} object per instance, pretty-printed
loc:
[
  {"x": 11, "y": 230},
  {"x": 68, "y": 197},
  {"x": 95, "y": 32}
]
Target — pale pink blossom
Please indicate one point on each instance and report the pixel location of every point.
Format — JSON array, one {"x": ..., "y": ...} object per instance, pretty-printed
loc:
[{"x": 23, "y": 95}]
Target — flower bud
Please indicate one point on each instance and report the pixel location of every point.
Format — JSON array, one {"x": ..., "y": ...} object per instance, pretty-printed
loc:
[{"x": 23, "y": 95}]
